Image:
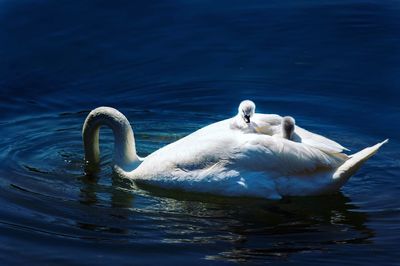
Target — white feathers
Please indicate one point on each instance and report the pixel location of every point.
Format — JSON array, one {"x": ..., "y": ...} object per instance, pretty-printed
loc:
[
  {"x": 275, "y": 125},
  {"x": 223, "y": 160}
]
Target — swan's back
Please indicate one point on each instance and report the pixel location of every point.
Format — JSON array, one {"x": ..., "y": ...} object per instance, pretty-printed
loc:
[
  {"x": 198, "y": 150},
  {"x": 271, "y": 124},
  {"x": 217, "y": 146}
]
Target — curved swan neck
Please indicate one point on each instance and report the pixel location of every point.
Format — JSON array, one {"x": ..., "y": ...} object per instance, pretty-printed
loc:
[{"x": 124, "y": 146}]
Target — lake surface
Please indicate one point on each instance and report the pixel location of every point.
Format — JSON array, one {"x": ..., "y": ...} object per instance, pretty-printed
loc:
[{"x": 173, "y": 67}]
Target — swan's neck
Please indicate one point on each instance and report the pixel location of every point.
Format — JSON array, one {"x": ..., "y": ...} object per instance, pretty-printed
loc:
[{"x": 124, "y": 146}]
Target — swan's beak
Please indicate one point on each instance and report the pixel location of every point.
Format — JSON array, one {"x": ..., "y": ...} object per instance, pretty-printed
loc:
[{"x": 247, "y": 119}]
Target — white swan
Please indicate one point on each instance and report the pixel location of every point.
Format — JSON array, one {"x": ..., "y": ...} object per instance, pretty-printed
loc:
[
  {"x": 216, "y": 159},
  {"x": 274, "y": 125},
  {"x": 242, "y": 121}
]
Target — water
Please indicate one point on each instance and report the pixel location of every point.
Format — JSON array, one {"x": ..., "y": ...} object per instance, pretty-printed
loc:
[{"x": 172, "y": 67}]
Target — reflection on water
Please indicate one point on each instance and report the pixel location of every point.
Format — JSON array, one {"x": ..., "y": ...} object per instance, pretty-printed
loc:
[
  {"x": 120, "y": 202},
  {"x": 251, "y": 229}
]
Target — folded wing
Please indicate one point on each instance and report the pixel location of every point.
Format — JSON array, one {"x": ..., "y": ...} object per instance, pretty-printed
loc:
[
  {"x": 284, "y": 157},
  {"x": 317, "y": 141}
]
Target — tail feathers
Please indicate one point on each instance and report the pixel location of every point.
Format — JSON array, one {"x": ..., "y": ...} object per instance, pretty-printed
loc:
[{"x": 355, "y": 161}]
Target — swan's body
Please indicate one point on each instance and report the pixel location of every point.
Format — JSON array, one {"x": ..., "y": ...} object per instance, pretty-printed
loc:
[{"x": 217, "y": 159}]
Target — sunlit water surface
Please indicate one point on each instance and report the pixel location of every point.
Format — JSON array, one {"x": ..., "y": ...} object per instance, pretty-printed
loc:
[{"x": 172, "y": 67}]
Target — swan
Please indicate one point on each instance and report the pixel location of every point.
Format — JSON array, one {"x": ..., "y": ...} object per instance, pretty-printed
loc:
[
  {"x": 288, "y": 125},
  {"x": 274, "y": 125},
  {"x": 219, "y": 160},
  {"x": 242, "y": 121}
]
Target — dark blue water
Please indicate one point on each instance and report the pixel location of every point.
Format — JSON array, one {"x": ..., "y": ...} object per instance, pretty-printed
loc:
[{"x": 172, "y": 67}]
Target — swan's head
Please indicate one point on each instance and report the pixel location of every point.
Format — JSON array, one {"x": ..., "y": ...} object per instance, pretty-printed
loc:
[{"x": 246, "y": 110}]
